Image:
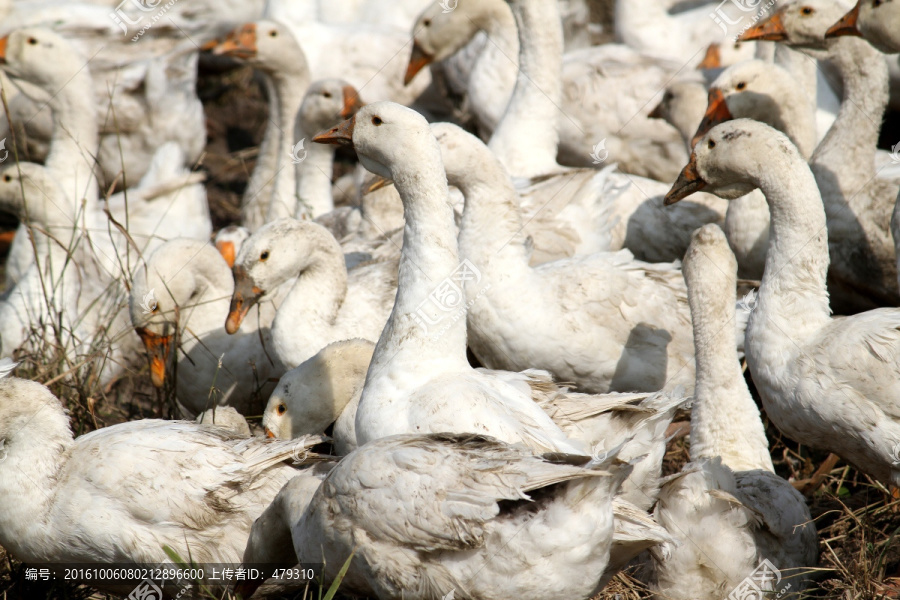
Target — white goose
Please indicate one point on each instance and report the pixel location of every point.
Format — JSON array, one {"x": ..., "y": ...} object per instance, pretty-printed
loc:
[
  {"x": 613, "y": 323},
  {"x": 195, "y": 488},
  {"x": 325, "y": 303},
  {"x": 878, "y": 22},
  {"x": 272, "y": 48},
  {"x": 728, "y": 509},
  {"x": 475, "y": 531},
  {"x": 589, "y": 96},
  {"x": 816, "y": 375},
  {"x": 178, "y": 302},
  {"x": 863, "y": 273}
]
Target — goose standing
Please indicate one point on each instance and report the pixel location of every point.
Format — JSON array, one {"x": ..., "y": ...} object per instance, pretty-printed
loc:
[
  {"x": 818, "y": 376},
  {"x": 325, "y": 303},
  {"x": 178, "y": 301},
  {"x": 727, "y": 508},
  {"x": 613, "y": 323},
  {"x": 857, "y": 202},
  {"x": 196, "y": 488},
  {"x": 272, "y": 48}
]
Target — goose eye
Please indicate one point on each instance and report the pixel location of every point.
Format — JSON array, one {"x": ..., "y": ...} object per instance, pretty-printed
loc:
[
  {"x": 806, "y": 11},
  {"x": 326, "y": 94},
  {"x": 711, "y": 144},
  {"x": 7, "y": 178},
  {"x": 264, "y": 255},
  {"x": 876, "y": 3},
  {"x": 32, "y": 41},
  {"x": 273, "y": 33},
  {"x": 377, "y": 121},
  {"x": 426, "y": 23},
  {"x": 741, "y": 85},
  {"x": 737, "y": 45},
  {"x": 281, "y": 409}
]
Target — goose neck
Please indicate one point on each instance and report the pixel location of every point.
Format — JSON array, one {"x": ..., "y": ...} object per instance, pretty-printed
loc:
[
  {"x": 321, "y": 287},
  {"x": 314, "y": 179},
  {"x": 526, "y": 138},
  {"x": 289, "y": 89}
]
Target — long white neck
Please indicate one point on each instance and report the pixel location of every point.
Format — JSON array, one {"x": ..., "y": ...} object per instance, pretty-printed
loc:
[
  {"x": 793, "y": 301},
  {"x": 844, "y": 163},
  {"x": 289, "y": 88},
  {"x": 427, "y": 326},
  {"x": 75, "y": 141},
  {"x": 316, "y": 297},
  {"x": 526, "y": 139},
  {"x": 490, "y": 234},
  {"x": 211, "y": 293},
  {"x": 724, "y": 419},
  {"x": 804, "y": 69},
  {"x": 494, "y": 74},
  {"x": 314, "y": 180},
  {"x": 34, "y": 457},
  {"x": 260, "y": 187}
]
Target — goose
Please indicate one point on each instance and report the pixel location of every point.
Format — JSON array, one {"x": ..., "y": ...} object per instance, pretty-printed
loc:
[
  {"x": 563, "y": 104},
  {"x": 614, "y": 324},
  {"x": 178, "y": 301},
  {"x": 727, "y": 508},
  {"x": 878, "y": 22},
  {"x": 864, "y": 272},
  {"x": 816, "y": 374},
  {"x": 271, "y": 48},
  {"x": 557, "y": 509},
  {"x": 426, "y": 327},
  {"x": 66, "y": 301},
  {"x": 322, "y": 391},
  {"x": 227, "y": 418},
  {"x": 324, "y": 304},
  {"x": 228, "y": 242},
  {"x": 327, "y": 102},
  {"x": 195, "y": 488},
  {"x": 53, "y": 65}
]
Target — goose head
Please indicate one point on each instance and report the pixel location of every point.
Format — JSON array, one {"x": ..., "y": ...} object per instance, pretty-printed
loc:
[
  {"x": 730, "y": 159},
  {"x": 229, "y": 240},
  {"x": 682, "y": 106},
  {"x": 29, "y": 412},
  {"x": 43, "y": 202},
  {"x": 312, "y": 396},
  {"x": 801, "y": 24},
  {"x": 173, "y": 282},
  {"x": 438, "y": 34},
  {"x": 383, "y": 135},
  {"x": 278, "y": 252},
  {"x": 758, "y": 90},
  {"x": 42, "y": 57},
  {"x": 327, "y": 102},
  {"x": 267, "y": 45},
  {"x": 875, "y": 20}
]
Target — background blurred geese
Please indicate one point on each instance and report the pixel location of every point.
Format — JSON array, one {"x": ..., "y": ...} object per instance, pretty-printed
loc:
[
  {"x": 196, "y": 488},
  {"x": 816, "y": 375},
  {"x": 728, "y": 509},
  {"x": 878, "y": 22}
]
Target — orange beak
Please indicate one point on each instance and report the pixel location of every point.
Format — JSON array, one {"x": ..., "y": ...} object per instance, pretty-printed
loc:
[
  {"x": 239, "y": 43},
  {"x": 770, "y": 30},
  {"x": 847, "y": 24},
  {"x": 226, "y": 249},
  {"x": 712, "y": 59},
  {"x": 418, "y": 60},
  {"x": 210, "y": 45},
  {"x": 688, "y": 182},
  {"x": 716, "y": 112},
  {"x": 3, "y": 43},
  {"x": 341, "y": 135},
  {"x": 269, "y": 433},
  {"x": 245, "y": 295},
  {"x": 157, "y": 347},
  {"x": 352, "y": 103}
]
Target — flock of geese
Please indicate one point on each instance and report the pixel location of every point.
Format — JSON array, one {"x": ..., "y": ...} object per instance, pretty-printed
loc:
[{"x": 581, "y": 240}]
